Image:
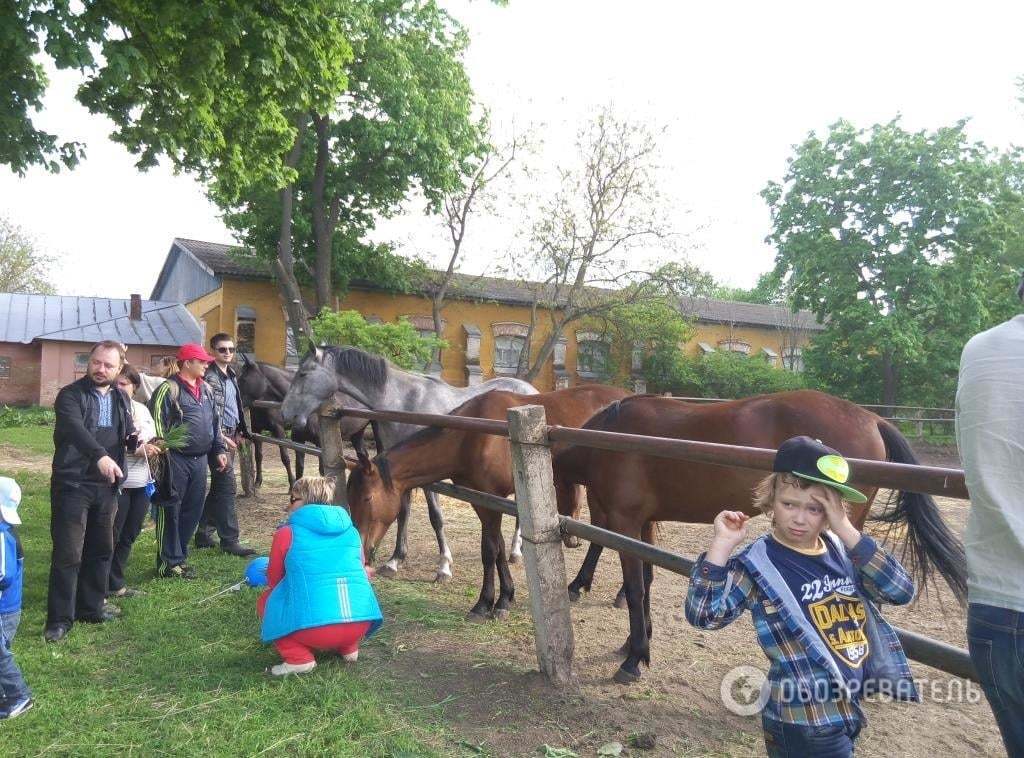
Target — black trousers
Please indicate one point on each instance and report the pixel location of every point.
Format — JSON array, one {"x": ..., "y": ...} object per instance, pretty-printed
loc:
[
  {"x": 132, "y": 507},
  {"x": 219, "y": 510},
  {"x": 82, "y": 530},
  {"x": 176, "y": 521}
]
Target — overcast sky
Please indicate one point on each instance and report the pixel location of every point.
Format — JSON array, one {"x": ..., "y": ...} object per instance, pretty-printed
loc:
[{"x": 736, "y": 85}]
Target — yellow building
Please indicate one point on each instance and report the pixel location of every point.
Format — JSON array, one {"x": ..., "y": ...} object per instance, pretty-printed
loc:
[{"x": 485, "y": 321}]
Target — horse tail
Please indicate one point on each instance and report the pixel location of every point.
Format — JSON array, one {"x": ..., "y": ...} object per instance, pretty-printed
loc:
[{"x": 929, "y": 544}]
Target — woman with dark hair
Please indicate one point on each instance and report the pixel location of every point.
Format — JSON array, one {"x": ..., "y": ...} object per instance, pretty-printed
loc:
[{"x": 133, "y": 502}]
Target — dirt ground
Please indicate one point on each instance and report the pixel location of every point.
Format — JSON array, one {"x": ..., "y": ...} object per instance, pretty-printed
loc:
[
  {"x": 484, "y": 684},
  {"x": 493, "y": 694}
]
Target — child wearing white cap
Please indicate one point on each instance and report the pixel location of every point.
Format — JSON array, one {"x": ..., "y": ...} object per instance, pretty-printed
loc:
[{"x": 15, "y": 697}]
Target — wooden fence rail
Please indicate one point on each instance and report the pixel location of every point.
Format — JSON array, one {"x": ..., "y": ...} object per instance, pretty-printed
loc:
[{"x": 542, "y": 526}]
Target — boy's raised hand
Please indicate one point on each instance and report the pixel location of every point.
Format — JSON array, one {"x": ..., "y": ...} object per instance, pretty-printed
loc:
[
  {"x": 838, "y": 519},
  {"x": 730, "y": 530}
]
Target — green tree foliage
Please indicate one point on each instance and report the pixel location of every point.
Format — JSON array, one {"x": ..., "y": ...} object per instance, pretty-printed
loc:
[
  {"x": 22, "y": 267},
  {"x": 767, "y": 291},
  {"x": 399, "y": 342},
  {"x": 894, "y": 238},
  {"x": 720, "y": 374},
  {"x": 402, "y": 122}
]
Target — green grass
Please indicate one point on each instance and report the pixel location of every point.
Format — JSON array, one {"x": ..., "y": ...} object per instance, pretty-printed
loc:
[
  {"x": 178, "y": 677},
  {"x": 32, "y": 416},
  {"x": 33, "y": 439}
]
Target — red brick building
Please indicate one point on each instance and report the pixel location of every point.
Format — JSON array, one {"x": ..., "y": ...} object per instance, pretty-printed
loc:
[{"x": 45, "y": 339}]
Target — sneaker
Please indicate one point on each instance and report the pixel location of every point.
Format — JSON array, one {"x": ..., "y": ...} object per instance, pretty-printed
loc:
[
  {"x": 125, "y": 592},
  {"x": 202, "y": 541},
  {"x": 19, "y": 707},
  {"x": 284, "y": 669},
  {"x": 56, "y": 633},
  {"x": 110, "y": 608},
  {"x": 350, "y": 657},
  {"x": 181, "y": 571}
]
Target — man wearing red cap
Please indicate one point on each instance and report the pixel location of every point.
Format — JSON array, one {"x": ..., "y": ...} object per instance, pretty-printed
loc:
[{"x": 184, "y": 400}]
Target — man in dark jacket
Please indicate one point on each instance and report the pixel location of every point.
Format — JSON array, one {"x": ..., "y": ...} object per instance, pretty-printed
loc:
[
  {"x": 219, "y": 510},
  {"x": 90, "y": 438},
  {"x": 185, "y": 400}
]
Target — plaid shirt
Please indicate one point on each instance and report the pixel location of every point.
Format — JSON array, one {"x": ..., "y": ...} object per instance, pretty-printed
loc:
[{"x": 718, "y": 596}]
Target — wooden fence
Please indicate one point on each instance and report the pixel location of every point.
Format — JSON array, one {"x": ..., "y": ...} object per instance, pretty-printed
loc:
[{"x": 542, "y": 526}]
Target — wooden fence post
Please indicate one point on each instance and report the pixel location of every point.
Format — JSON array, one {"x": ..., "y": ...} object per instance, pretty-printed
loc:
[
  {"x": 246, "y": 463},
  {"x": 333, "y": 446},
  {"x": 542, "y": 542}
]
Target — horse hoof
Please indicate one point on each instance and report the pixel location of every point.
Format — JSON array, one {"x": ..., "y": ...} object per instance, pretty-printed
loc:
[
  {"x": 574, "y": 595},
  {"x": 387, "y": 571},
  {"x": 622, "y": 676},
  {"x": 620, "y": 602},
  {"x": 442, "y": 578},
  {"x": 515, "y": 558},
  {"x": 475, "y": 617},
  {"x": 571, "y": 540},
  {"x": 501, "y": 614}
]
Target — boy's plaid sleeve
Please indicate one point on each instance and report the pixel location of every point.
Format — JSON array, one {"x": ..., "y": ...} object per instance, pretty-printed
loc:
[
  {"x": 882, "y": 576},
  {"x": 718, "y": 595}
]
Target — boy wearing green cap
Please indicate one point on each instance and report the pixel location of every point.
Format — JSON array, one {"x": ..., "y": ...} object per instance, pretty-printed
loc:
[{"x": 810, "y": 585}]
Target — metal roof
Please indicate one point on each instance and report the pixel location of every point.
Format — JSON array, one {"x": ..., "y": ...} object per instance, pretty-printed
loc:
[
  {"x": 227, "y": 260},
  {"x": 24, "y": 318}
]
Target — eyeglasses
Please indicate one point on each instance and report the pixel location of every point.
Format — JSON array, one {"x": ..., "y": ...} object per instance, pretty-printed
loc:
[{"x": 225, "y": 350}]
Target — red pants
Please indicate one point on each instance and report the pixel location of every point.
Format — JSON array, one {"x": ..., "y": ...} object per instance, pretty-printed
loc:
[{"x": 298, "y": 647}]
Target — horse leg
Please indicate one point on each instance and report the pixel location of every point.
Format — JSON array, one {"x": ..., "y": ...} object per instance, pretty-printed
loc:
[
  {"x": 639, "y": 645},
  {"x": 516, "y": 553},
  {"x": 488, "y": 555},
  {"x": 507, "y": 586},
  {"x": 571, "y": 540},
  {"x": 300, "y": 464},
  {"x": 397, "y": 558},
  {"x": 647, "y": 535},
  {"x": 257, "y": 453},
  {"x": 585, "y": 577},
  {"x": 444, "y": 566},
  {"x": 287, "y": 463}
]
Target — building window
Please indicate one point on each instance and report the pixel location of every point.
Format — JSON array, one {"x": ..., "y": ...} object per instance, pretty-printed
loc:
[
  {"x": 81, "y": 363},
  {"x": 592, "y": 358},
  {"x": 5, "y": 367},
  {"x": 245, "y": 329},
  {"x": 506, "y": 353},
  {"x": 770, "y": 356},
  {"x": 734, "y": 346},
  {"x": 793, "y": 358}
]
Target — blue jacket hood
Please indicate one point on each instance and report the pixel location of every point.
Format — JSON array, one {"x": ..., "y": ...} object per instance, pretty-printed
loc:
[{"x": 322, "y": 519}]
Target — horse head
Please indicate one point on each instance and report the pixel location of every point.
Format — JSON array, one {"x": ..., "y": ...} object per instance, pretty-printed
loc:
[
  {"x": 314, "y": 384},
  {"x": 373, "y": 500},
  {"x": 251, "y": 382}
]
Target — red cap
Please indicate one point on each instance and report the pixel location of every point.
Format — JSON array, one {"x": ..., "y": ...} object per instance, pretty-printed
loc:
[{"x": 192, "y": 351}]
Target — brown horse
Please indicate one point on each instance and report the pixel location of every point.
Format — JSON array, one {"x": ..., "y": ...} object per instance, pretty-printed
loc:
[
  {"x": 470, "y": 459},
  {"x": 628, "y": 492}
]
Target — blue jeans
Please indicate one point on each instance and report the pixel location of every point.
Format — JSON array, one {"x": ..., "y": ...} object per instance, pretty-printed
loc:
[
  {"x": 784, "y": 740},
  {"x": 12, "y": 683},
  {"x": 995, "y": 637}
]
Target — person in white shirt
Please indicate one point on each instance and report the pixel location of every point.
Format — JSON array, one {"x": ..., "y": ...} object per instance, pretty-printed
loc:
[
  {"x": 133, "y": 501},
  {"x": 990, "y": 436}
]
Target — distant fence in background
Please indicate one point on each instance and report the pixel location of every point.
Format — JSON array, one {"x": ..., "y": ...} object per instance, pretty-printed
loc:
[{"x": 913, "y": 420}]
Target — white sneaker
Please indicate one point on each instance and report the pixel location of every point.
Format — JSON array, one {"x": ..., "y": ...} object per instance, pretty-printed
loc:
[
  {"x": 350, "y": 657},
  {"x": 283, "y": 669}
]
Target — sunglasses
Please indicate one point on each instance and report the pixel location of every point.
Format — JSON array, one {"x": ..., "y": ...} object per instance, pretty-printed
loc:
[{"x": 225, "y": 350}]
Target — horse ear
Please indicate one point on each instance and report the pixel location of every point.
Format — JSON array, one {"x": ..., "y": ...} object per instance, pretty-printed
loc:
[
  {"x": 351, "y": 463},
  {"x": 363, "y": 459},
  {"x": 318, "y": 354}
]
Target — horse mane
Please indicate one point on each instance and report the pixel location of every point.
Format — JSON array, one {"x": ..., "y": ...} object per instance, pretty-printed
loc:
[
  {"x": 423, "y": 436},
  {"x": 372, "y": 368}
]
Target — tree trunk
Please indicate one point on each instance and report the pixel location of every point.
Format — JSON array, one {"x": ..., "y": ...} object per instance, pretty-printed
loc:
[
  {"x": 889, "y": 381},
  {"x": 322, "y": 227},
  {"x": 284, "y": 264},
  {"x": 546, "y": 350}
]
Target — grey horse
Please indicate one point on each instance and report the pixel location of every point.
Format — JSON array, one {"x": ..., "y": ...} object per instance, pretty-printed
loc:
[{"x": 380, "y": 385}]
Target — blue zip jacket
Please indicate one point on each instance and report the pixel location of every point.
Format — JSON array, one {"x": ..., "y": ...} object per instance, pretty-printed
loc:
[
  {"x": 324, "y": 580},
  {"x": 12, "y": 566},
  {"x": 801, "y": 664}
]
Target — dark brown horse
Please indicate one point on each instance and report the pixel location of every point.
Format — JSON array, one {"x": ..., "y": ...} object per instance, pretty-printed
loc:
[
  {"x": 470, "y": 459},
  {"x": 628, "y": 493}
]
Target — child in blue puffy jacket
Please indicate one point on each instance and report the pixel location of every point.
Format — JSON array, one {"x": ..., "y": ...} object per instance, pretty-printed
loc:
[
  {"x": 319, "y": 596},
  {"x": 15, "y": 697}
]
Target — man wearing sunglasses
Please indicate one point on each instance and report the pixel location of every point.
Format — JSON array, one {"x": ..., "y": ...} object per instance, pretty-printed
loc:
[{"x": 219, "y": 509}]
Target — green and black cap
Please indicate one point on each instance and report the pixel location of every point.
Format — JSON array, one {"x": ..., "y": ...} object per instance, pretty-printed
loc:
[{"x": 811, "y": 459}]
